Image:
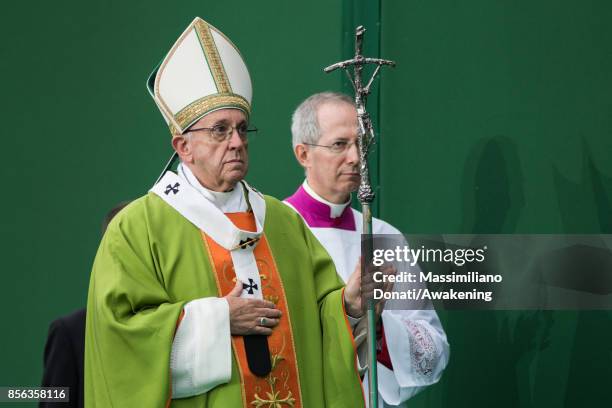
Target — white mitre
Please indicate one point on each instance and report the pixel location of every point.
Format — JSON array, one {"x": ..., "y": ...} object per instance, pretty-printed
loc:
[{"x": 202, "y": 72}]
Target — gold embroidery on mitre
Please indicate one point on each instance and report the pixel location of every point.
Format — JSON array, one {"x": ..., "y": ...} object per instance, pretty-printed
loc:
[
  {"x": 195, "y": 110},
  {"x": 212, "y": 56}
]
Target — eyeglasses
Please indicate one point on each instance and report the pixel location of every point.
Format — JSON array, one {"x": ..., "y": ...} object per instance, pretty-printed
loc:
[
  {"x": 221, "y": 133},
  {"x": 338, "y": 147}
]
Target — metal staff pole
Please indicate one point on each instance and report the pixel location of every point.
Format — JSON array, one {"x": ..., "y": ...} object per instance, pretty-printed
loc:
[{"x": 365, "y": 194}]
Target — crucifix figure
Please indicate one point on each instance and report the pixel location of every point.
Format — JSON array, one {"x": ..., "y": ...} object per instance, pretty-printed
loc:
[{"x": 365, "y": 193}]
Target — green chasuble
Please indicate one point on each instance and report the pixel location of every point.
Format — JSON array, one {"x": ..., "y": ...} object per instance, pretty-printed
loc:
[{"x": 152, "y": 261}]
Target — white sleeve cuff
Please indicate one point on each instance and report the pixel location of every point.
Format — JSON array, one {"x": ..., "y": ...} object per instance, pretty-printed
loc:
[
  {"x": 353, "y": 320},
  {"x": 360, "y": 331},
  {"x": 201, "y": 355},
  {"x": 419, "y": 352}
]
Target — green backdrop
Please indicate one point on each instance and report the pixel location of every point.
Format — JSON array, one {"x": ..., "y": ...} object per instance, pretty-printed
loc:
[{"x": 496, "y": 119}]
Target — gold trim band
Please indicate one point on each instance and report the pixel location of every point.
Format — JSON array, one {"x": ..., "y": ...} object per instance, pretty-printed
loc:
[
  {"x": 195, "y": 110},
  {"x": 212, "y": 56}
]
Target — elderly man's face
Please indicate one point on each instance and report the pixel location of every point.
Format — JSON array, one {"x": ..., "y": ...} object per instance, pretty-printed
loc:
[
  {"x": 217, "y": 165},
  {"x": 334, "y": 175}
]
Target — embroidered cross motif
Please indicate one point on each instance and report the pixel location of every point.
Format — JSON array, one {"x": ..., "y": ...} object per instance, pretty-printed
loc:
[
  {"x": 252, "y": 285},
  {"x": 274, "y": 399},
  {"x": 172, "y": 188}
]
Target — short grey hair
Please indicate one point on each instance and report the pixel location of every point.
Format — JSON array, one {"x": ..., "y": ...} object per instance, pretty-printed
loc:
[{"x": 304, "y": 124}]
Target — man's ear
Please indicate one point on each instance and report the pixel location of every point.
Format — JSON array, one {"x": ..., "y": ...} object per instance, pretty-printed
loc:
[
  {"x": 182, "y": 146},
  {"x": 302, "y": 155}
]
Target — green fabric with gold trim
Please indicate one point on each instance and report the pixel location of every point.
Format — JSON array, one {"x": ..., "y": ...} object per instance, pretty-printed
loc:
[{"x": 151, "y": 262}]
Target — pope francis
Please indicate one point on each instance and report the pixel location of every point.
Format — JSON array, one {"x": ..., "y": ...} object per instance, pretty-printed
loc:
[{"x": 204, "y": 292}]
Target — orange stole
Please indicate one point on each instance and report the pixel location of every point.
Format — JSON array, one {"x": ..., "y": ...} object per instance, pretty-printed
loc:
[{"x": 281, "y": 387}]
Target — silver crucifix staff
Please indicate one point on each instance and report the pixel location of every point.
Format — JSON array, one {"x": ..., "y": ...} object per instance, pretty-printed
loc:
[{"x": 365, "y": 193}]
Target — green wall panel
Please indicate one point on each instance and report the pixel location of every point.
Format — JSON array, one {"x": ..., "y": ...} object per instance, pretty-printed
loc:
[
  {"x": 499, "y": 116},
  {"x": 497, "y": 120}
]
